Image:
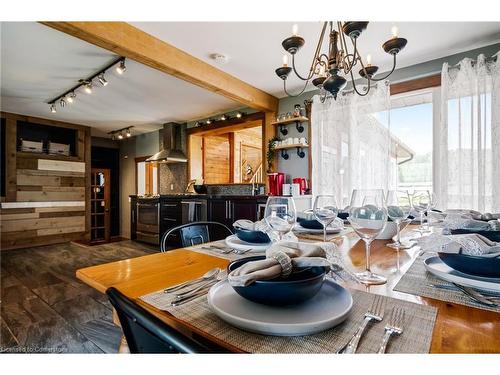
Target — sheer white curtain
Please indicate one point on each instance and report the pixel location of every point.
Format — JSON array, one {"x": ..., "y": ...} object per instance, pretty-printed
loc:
[
  {"x": 468, "y": 154},
  {"x": 351, "y": 144}
]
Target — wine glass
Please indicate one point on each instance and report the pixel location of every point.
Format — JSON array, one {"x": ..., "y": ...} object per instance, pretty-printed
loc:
[
  {"x": 368, "y": 217},
  {"x": 280, "y": 214},
  {"x": 398, "y": 205},
  {"x": 421, "y": 202},
  {"x": 432, "y": 204},
  {"x": 325, "y": 210}
]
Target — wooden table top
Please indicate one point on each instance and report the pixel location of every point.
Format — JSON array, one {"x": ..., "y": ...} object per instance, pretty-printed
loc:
[{"x": 458, "y": 328}]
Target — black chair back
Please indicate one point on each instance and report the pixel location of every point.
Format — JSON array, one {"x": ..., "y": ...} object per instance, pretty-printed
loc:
[
  {"x": 196, "y": 233},
  {"x": 145, "y": 333}
]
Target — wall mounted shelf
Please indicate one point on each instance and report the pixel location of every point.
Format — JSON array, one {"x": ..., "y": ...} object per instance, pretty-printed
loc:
[
  {"x": 293, "y": 120},
  {"x": 284, "y": 150}
]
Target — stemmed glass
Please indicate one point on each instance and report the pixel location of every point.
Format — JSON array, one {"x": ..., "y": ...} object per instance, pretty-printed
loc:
[
  {"x": 421, "y": 201},
  {"x": 280, "y": 214},
  {"x": 432, "y": 204},
  {"x": 368, "y": 217},
  {"x": 325, "y": 210},
  {"x": 398, "y": 205}
]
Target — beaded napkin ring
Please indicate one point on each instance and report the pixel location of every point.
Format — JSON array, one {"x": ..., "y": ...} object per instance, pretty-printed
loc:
[{"x": 284, "y": 261}]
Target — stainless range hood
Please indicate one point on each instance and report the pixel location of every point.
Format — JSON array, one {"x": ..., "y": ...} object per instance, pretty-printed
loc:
[{"x": 172, "y": 151}]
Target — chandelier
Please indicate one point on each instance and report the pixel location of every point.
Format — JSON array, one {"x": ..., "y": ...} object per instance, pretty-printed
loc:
[{"x": 327, "y": 70}]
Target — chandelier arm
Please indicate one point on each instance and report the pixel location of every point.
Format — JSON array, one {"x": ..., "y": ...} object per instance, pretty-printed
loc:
[
  {"x": 355, "y": 89},
  {"x": 388, "y": 74},
  {"x": 343, "y": 44},
  {"x": 292, "y": 95},
  {"x": 315, "y": 57}
]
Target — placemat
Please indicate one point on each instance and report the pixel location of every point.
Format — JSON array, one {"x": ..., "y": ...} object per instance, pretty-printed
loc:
[
  {"x": 417, "y": 281},
  {"x": 417, "y": 336}
]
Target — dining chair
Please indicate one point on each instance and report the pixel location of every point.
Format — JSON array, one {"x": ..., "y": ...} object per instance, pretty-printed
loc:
[
  {"x": 145, "y": 333},
  {"x": 196, "y": 233}
]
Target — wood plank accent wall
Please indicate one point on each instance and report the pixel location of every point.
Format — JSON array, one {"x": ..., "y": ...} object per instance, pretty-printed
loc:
[
  {"x": 216, "y": 166},
  {"x": 47, "y": 197}
]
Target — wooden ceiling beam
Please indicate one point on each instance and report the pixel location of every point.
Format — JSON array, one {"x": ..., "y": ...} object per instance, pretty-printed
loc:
[{"x": 126, "y": 40}]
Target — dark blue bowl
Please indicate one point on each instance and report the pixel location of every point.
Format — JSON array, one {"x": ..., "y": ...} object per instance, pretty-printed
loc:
[
  {"x": 297, "y": 288},
  {"x": 252, "y": 236},
  {"x": 472, "y": 265}
]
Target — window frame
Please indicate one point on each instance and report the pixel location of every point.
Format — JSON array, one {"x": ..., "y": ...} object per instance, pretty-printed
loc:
[{"x": 149, "y": 176}]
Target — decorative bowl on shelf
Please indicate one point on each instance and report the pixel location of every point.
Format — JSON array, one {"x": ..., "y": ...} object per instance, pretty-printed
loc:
[
  {"x": 300, "y": 286},
  {"x": 252, "y": 236}
]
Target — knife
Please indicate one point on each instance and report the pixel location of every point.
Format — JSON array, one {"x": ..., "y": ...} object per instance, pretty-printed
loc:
[{"x": 476, "y": 296}]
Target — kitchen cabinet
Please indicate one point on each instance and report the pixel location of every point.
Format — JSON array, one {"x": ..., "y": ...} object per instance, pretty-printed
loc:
[{"x": 170, "y": 217}]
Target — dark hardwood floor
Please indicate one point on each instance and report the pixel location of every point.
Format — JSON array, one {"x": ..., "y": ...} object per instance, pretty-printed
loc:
[{"x": 44, "y": 308}]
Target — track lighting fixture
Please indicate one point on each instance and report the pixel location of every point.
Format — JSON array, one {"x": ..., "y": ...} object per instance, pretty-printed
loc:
[
  {"x": 87, "y": 84},
  {"x": 120, "y": 69},
  {"x": 88, "y": 87},
  {"x": 53, "y": 108},
  {"x": 102, "y": 80},
  {"x": 209, "y": 122},
  {"x": 121, "y": 133},
  {"x": 223, "y": 118}
]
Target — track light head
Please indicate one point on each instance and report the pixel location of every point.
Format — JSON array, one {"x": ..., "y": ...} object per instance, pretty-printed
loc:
[
  {"x": 120, "y": 136},
  {"x": 209, "y": 122},
  {"x": 62, "y": 103},
  {"x": 239, "y": 114},
  {"x": 102, "y": 80},
  {"x": 120, "y": 69},
  {"x": 88, "y": 87},
  {"x": 223, "y": 118},
  {"x": 71, "y": 98},
  {"x": 53, "y": 108},
  {"x": 128, "y": 133}
]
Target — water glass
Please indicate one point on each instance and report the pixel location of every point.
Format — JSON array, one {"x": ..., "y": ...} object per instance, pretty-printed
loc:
[
  {"x": 325, "y": 210},
  {"x": 421, "y": 201},
  {"x": 398, "y": 205},
  {"x": 280, "y": 214},
  {"x": 368, "y": 217}
]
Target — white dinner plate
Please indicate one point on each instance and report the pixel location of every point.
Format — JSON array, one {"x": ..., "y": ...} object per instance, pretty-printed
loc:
[
  {"x": 438, "y": 268},
  {"x": 235, "y": 243},
  {"x": 329, "y": 230},
  {"x": 325, "y": 310}
]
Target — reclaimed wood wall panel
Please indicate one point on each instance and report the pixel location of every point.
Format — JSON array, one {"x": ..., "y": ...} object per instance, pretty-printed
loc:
[{"x": 49, "y": 200}]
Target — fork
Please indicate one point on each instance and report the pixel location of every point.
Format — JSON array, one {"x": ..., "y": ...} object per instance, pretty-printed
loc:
[
  {"x": 394, "y": 327},
  {"x": 375, "y": 314}
]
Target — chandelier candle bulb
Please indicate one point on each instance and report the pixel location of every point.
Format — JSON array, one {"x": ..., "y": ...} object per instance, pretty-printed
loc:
[
  {"x": 295, "y": 30},
  {"x": 394, "y": 31},
  {"x": 369, "y": 60},
  {"x": 285, "y": 61}
]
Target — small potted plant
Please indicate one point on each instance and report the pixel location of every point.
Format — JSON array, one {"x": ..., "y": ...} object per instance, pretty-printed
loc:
[{"x": 271, "y": 144}]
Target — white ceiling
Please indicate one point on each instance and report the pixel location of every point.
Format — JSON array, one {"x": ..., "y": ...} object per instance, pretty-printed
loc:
[
  {"x": 39, "y": 63},
  {"x": 255, "y": 48}
]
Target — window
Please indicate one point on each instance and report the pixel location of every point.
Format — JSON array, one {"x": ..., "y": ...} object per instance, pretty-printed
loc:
[
  {"x": 411, "y": 125},
  {"x": 147, "y": 177}
]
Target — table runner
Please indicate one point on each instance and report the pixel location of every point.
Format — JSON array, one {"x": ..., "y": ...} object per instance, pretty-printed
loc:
[
  {"x": 416, "y": 281},
  {"x": 416, "y": 338}
]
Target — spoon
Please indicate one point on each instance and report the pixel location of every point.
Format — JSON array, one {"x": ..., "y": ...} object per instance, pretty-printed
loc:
[{"x": 207, "y": 276}]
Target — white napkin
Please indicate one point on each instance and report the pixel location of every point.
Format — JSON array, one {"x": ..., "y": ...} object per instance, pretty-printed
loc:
[
  {"x": 468, "y": 244},
  {"x": 301, "y": 255}
]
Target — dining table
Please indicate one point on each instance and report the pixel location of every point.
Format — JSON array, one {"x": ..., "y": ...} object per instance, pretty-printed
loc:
[{"x": 458, "y": 328}]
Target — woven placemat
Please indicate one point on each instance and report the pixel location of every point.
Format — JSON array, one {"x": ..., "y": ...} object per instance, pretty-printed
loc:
[
  {"x": 417, "y": 336},
  {"x": 417, "y": 281}
]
